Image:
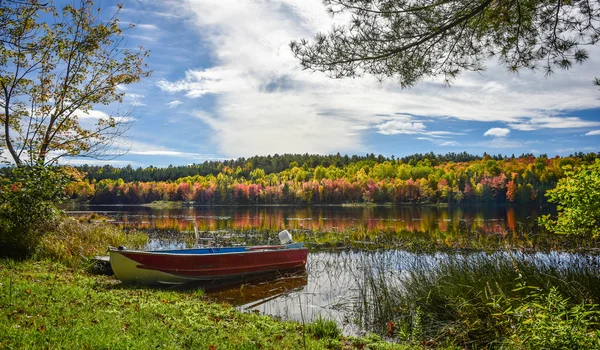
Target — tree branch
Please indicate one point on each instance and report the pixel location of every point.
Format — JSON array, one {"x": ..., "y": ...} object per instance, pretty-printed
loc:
[{"x": 441, "y": 30}]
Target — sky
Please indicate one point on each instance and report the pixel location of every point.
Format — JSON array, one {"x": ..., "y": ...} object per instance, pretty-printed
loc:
[{"x": 225, "y": 85}]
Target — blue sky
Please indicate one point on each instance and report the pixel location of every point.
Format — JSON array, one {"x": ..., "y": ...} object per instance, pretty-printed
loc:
[{"x": 225, "y": 85}]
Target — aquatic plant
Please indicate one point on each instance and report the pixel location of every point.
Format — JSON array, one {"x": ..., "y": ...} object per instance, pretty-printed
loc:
[{"x": 455, "y": 296}]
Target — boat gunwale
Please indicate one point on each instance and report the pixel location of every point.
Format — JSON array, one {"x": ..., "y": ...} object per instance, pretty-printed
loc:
[{"x": 154, "y": 252}]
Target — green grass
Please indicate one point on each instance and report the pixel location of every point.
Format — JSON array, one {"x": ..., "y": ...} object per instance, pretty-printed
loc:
[
  {"x": 324, "y": 328},
  {"x": 47, "y": 305}
]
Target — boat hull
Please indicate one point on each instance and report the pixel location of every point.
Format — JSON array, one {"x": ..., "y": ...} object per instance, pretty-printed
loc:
[{"x": 172, "y": 267}]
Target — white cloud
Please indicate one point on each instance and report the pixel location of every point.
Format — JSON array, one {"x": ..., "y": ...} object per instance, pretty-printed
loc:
[
  {"x": 497, "y": 132},
  {"x": 501, "y": 143},
  {"x": 553, "y": 122},
  {"x": 5, "y": 156},
  {"x": 440, "y": 142},
  {"x": 135, "y": 99},
  {"x": 444, "y": 133},
  {"x": 201, "y": 82},
  {"x": 142, "y": 37},
  {"x": 174, "y": 103},
  {"x": 593, "y": 133},
  {"x": 139, "y": 148},
  {"x": 91, "y": 161},
  {"x": 159, "y": 152},
  {"x": 145, "y": 26},
  {"x": 565, "y": 150},
  {"x": 91, "y": 114},
  {"x": 449, "y": 143},
  {"x": 395, "y": 127},
  {"x": 265, "y": 103}
]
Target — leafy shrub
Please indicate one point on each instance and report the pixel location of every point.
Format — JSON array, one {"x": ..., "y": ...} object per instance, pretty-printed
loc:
[
  {"x": 548, "y": 321},
  {"x": 578, "y": 199},
  {"x": 31, "y": 224},
  {"x": 27, "y": 207}
]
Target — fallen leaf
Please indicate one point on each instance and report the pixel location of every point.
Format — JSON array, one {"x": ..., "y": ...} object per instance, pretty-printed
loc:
[{"x": 390, "y": 327}]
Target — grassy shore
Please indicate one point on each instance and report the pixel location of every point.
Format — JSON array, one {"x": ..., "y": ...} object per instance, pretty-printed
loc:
[
  {"x": 47, "y": 305},
  {"x": 479, "y": 301}
]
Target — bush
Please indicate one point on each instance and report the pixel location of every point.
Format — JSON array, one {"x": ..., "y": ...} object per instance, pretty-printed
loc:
[
  {"x": 548, "y": 321},
  {"x": 31, "y": 224},
  {"x": 27, "y": 207},
  {"x": 578, "y": 202}
]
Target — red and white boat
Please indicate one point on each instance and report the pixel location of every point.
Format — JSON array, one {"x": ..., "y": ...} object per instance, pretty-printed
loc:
[{"x": 180, "y": 266}]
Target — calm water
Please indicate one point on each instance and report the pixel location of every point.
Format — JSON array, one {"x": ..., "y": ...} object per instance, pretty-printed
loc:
[
  {"x": 332, "y": 285},
  {"x": 337, "y": 285},
  {"x": 405, "y": 218}
]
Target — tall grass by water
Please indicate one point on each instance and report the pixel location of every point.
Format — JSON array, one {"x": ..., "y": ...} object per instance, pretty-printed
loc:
[
  {"x": 527, "y": 238},
  {"x": 73, "y": 242},
  {"x": 483, "y": 300}
]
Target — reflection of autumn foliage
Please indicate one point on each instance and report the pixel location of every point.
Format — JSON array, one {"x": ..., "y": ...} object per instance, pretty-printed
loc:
[
  {"x": 511, "y": 191},
  {"x": 415, "y": 220},
  {"x": 511, "y": 221},
  {"x": 513, "y": 180}
]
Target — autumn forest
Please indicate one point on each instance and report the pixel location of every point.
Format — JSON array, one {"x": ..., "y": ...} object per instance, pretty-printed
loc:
[{"x": 335, "y": 179}]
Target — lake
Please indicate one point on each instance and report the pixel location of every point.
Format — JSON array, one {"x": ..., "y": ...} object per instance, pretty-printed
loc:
[
  {"x": 321, "y": 218},
  {"x": 334, "y": 283}
]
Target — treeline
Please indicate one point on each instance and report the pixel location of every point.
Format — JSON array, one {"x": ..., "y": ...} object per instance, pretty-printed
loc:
[
  {"x": 484, "y": 179},
  {"x": 270, "y": 164}
]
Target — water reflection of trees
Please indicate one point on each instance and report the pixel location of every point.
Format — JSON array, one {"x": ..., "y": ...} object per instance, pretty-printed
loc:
[
  {"x": 394, "y": 219},
  {"x": 407, "y": 227}
]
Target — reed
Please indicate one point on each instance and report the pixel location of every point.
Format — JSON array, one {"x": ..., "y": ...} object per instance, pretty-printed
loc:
[
  {"x": 73, "y": 242},
  {"x": 526, "y": 238},
  {"x": 441, "y": 297}
]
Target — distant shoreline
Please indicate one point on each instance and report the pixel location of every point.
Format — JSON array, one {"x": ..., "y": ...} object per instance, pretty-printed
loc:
[{"x": 179, "y": 205}]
